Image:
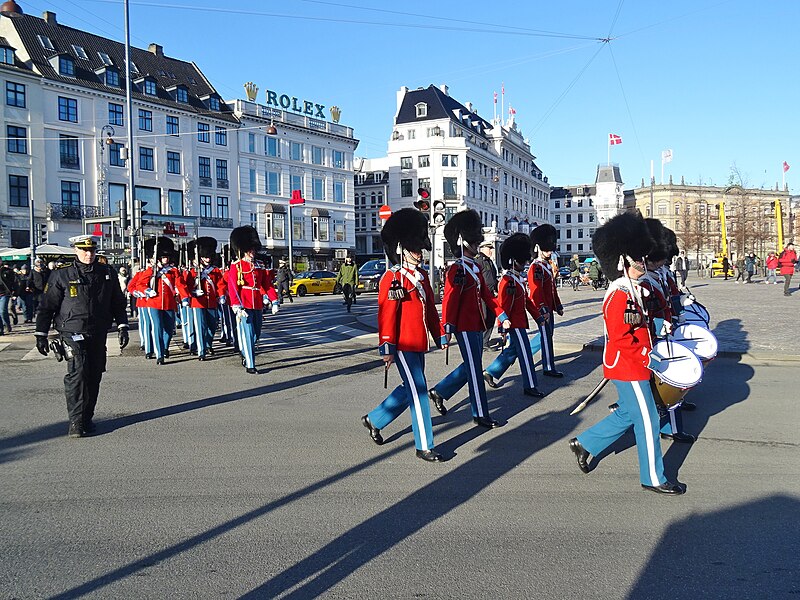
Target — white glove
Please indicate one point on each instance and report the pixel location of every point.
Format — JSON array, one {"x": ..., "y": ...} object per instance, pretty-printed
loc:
[
  {"x": 198, "y": 293},
  {"x": 138, "y": 294},
  {"x": 238, "y": 310},
  {"x": 185, "y": 303},
  {"x": 506, "y": 325},
  {"x": 223, "y": 300},
  {"x": 275, "y": 308},
  {"x": 666, "y": 328},
  {"x": 150, "y": 293}
]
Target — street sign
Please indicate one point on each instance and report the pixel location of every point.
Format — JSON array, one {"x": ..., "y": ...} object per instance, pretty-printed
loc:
[
  {"x": 385, "y": 212},
  {"x": 297, "y": 198}
]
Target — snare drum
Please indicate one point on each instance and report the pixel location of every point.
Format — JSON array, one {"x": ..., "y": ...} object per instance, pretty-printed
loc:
[
  {"x": 678, "y": 372},
  {"x": 698, "y": 339},
  {"x": 694, "y": 312}
]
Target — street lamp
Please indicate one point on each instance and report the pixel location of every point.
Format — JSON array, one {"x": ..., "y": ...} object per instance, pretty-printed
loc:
[{"x": 109, "y": 131}]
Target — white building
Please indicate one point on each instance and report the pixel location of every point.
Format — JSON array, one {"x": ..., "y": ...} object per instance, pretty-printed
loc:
[
  {"x": 371, "y": 192},
  {"x": 184, "y": 156},
  {"x": 445, "y": 146},
  {"x": 309, "y": 154},
  {"x": 579, "y": 209}
]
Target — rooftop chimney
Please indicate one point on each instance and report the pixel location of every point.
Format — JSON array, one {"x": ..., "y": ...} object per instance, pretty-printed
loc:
[
  {"x": 49, "y": 17},
  {"x": 401, "y": 94},
  {"x": 445, "y": 89},
  {"x": 156, "y": 49}
]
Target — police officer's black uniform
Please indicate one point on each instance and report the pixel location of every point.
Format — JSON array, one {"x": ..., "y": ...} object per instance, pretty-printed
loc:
[{"x": 81, "y": 301}]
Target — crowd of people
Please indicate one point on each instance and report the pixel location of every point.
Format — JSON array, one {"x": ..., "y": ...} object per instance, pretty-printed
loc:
[{"x": 20, "y": 292}]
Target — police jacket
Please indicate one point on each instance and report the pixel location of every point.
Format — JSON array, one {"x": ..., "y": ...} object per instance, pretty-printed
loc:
[
  {"x": 37, "y": 280},
  {"x": 82, "y": 299}
]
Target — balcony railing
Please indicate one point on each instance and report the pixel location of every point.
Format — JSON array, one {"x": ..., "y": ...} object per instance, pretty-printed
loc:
[
  {"x": 61, "y": 212},
  {"x": 216, "y": 222},
  {"x": 206, "y": 182},
  {"x": 222, "y": 184}
]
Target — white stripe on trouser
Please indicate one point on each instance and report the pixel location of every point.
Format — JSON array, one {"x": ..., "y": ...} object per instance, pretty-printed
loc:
[
  {"x": 476, "y": 380},
  {"x": 185, "y": 327},
  {"x": 548, "y": 359},
  {"x": 648, "y": 431},
  {"x": 416, "y": 409},
  {"x": 244, "y": 342},
  {"x": 673, "y": 422},
  {"x": 154, "y": 336},
  {"x": 199, "y": 334},
  {"x": 522, "y": 340}
]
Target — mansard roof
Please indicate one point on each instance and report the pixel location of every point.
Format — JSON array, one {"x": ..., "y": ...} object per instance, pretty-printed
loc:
[{"x": 440, "y": 106}]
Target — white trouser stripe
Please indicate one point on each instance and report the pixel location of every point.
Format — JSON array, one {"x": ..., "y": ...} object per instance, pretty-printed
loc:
[
  {"x": 198, "y": 334},
  {"x": 672, "y": 420},
  {"x": 416, "y": 409},
  {"x": 545, "y": 346},
  {"x": 523, "y": 355},
  {"x": 156, "y": 339},
  {"x": 648, "y": 431},
  {"x": 472, "y": 373}
]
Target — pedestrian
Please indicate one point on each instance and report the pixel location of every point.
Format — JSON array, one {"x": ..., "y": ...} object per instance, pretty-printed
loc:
[
  {"x": 284, "y": 279},
  {"x": 406, "y": 316},
  {"x": 621, "y": 245},
  {"x": 37, "y": 281},
  {"x": 485, "y": 260},
  {"x": 249, "y": 290},
  {"x": 463, "y": 316},
  {"x": 772, "y": 266},
  {"x": 575, "y": 272},
  {"x": 680, "y": 266},
  {"x": 24, "y": 294},
  {"x": 740, "y": 269},
  {"x": 750, "y": 266},
  {"x": 515, "y": 253},
  {"x": 203, "y": 290},
  {"x": 347, "y": 279},
  {"x": 543, "y": 293},
  {"x": 726, "y": 265},
  {"x": 7, "y": 285},
  {"x": 84, "y": 299},
  {"x": 786, "y": 262}
]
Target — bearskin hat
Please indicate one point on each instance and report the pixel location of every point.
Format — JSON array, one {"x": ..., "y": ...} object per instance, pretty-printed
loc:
[
  {"x": 515, "y": 248},
  {"x": 408, "y": 228},
  {"x": 467, "y": 224},
  {"x": 165, "y": 247},
  {"x": 672, "y": 243},
  {"x": 545, "y": 236},
  {"x": 244, "y": 239},
  {"x": 658, "y": 233},
  {"x": 625, "y": 234},
  {"x": 206, "y": 247}
]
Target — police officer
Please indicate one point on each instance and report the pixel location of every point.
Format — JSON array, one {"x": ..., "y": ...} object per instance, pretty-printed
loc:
[{"x": 84, "y": 298}]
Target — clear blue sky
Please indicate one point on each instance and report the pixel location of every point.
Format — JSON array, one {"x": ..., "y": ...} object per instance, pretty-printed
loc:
[{"x": 713, "y": 80}]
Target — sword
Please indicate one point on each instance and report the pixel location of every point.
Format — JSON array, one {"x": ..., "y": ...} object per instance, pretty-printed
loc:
[{"x": 590, "y": 397}]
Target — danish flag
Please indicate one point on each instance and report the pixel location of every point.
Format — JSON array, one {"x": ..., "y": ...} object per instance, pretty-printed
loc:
[
  {"x": 785, "y": 166},
  {"x": 614, "y": 139}
]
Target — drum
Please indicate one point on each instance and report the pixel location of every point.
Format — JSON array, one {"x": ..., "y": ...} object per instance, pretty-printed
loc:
[
  {"x": 698, "y": 339},
  {"x": 694, "y": 312},
  {"x": 678, "y": 372}
]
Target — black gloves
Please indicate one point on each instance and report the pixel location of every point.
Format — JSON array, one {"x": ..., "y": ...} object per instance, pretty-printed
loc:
[
  {"x": 41, "y": 345},
  {"x": 123, "y": 337}
]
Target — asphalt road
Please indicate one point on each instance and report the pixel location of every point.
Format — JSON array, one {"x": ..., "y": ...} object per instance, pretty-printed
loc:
[{"x": 205, "y": 482}]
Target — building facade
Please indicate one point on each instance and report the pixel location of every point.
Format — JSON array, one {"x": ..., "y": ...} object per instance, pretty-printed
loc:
[{"x": 371, "y": 192}]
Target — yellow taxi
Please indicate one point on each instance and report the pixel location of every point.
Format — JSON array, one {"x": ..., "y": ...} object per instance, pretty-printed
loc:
[{"x": 314, "y": 282}]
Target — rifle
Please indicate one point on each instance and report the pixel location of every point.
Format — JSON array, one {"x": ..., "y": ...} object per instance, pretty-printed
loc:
[
  {"x": 154, "y": 278},
  {"x": 197, "y": 283}
]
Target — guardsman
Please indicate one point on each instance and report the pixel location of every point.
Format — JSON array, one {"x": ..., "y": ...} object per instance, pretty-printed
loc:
[
  {"x": 204, "y": 290},
  {"x": 406, "y": 316},
  {"x": 249, "y": 289},
  {"x": 159, "y": 285},
  {"x": 145, "y": 338},
  {"x": 543, "y": 293},
  {"x": 84, "y": 298},
  {"x": 515, "y": 252},
  {"x": 226, "y": 317},
  {"x": 621, "y": 245},
  {"x": 183, "y": 312},
  {"x": 464, "y": 317}
]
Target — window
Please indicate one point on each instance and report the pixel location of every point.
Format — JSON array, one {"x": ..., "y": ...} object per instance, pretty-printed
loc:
[
  {"x": 106, "y": 60},
  {"x": 205, "y": 206},
  {"x": 182, "y": 95},
  {"x": 68, "y": 152},
  {"x": 273, "y": 183},
  {"x": 569, "y": 234},
  {"x": 116, "y": 194},
  {"x": 569, "y": 218},
  {"x": 7, "y": 56},
  {"x": 204, "y": 167},
  {"x": 338, "y": 159},
  {"x": 115, "y": 114},
  {"x": 222, "y": 207},
  {"x": 66, "y": 66},
  {"x": 203, "y": 134},
  {"x": 146, "y": 159},
  {"x": 67, "y": 109},
  {"x": 411, "y": 134},
  {"x": 558, "y": 219},
  {"x": 213, "y": 103},
  {"x": 112, "y": 77},
  {"x": 580, "y": 233},
  {"x": 323, "y": 229},
  {"x": 316, "y": 155},
  {"x": 174, "y": 163},
  {"x": 662, "y": 209},
  {"x": 145, "y": 120},
  {"x": 71, "y": 193},
  {"x": 338, "y": 191},
  {"x": 339, "y": 234},
  {"x": 295, "y": 151},
  {"x": 406, "y": 162},
  {"x": 580, "y": 246},
  {"x": 17, "y": 139},
  {"x": 15, "y": 94},
  {"x": 45, "y": 42},
  {"x": 298, "y": 227},
  {"x": 221, "y": 136},
  {"x": 17, "y": 190},
  {"x": 115, "y": 155},
  {"x": 422, "y": 110},
  {"x": 580, "y": 217},
  {"x": 424, "y": 161},
  {"x": 424, "y": 182},
  {"x": 450, "y": 187},
  {"x": 253, "y": 181},
  {"x": 173, "y": 125},
  {"x": 222, "y": 170},
  {"x": 296, "y": 183},
  {"x": 556, "y": 203},
  {"x": 406, "y": 188},
  {"x": 277, "y": 226},
  {"x": 449, "y": 160},
  {"x": 317, "y": 188},
  {"x": 251, "y": 142},
  {"x": 272, "y": 147},
  {"x": 149, "y": 87},
  {"x": 175, "y": 202}
]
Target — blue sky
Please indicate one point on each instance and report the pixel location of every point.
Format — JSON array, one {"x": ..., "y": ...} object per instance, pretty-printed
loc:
[{"x": 713, "y": 80}]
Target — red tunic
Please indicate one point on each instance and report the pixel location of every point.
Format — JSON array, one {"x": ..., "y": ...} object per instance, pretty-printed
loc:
[
  {"x": 656, "y": 301},
  {"x": 542, "y": 287},
  {"x": 166, "y": 287},
  {"x": 257, "y": 282},
  {"x": 628, "y": 346},
  {"x": 514, "y": 301},
  {"x": 464, "y": 289},
  {"x": 404, "y": 324},
  {"x": 212, "y": 284}
]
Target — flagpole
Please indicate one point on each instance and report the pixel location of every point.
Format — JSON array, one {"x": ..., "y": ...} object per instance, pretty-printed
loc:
[
  {"x": 662, "y": 168},
  {"x": 783, "y": 177},
  {"x": 609, "y": 150},
  {"x": 503, "y": 100},
  {"x": 495, "y": 107}
]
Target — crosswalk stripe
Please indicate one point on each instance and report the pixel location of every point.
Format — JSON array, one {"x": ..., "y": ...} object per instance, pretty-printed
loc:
[
  {"x": 33, "y": 354},
  {"x": 4, "y": 346}
]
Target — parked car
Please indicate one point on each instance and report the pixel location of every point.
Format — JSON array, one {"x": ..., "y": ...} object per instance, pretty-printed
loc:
[
  {"x": 314, "y": 282},
  {"x": 369, "y": 275}
]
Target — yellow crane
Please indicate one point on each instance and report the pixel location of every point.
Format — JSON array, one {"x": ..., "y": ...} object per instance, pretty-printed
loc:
[
  {"x": 716, "y": 266},
  {"x": 779, "y": 223}
]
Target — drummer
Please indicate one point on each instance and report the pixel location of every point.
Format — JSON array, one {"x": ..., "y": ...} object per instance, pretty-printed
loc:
[{"x": 621, "y": 246}]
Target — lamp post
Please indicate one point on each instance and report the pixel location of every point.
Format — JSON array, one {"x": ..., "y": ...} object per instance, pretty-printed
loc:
[
  {"x": 131, "y": 200},
  {"x": 108, "y": 130}
]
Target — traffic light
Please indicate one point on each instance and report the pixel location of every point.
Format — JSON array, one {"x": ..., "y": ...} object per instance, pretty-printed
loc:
[
  {"x": 141, "y": 213},
  {"x": 424, "y": 202},
  {"x": 438, "y": 212},
  {"x": 123, "y": 214},
  {"x": 42, "y": 233}
]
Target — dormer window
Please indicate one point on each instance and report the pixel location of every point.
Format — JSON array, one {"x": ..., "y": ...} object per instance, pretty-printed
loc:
[
  {"x": 105, "y": 58},
  {"x": 6, "y": 55},
  {"x": 46, "y": 43},
  {"x": 66, "y": 66},
  {"x": 149, "y": 87},
  {"x": 182, "y": 95},
  {"x": 134, "y": 68},
  {"x": 112, "y": 77},
  {"x": 79, "y": 52},
  {"x": 422, "y": 110},
  {"x": 213, "y": 103}
]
